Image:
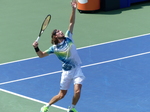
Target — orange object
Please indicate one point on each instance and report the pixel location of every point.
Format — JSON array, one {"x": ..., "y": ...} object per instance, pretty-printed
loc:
[{"x": 88, "y": 5}]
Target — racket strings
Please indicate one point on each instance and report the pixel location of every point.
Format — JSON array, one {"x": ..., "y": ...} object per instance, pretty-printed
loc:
[{"x": 46, "y": 22}]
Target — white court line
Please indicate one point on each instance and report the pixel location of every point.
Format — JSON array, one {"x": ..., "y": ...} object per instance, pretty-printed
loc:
[
  {"x": 117, "y": 59},
  {"x": 108, "y": 61},
  {"x": 29, "y": 78},
  {"x": 138, "y": 36},
  {"x": 22, "y": 96}
]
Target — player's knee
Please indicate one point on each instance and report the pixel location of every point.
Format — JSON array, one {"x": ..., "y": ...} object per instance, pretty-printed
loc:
[
  {"x": 77, "y": 89},
  {"x": 77, "y": 92},
  {"x": 61, "y": 96}
]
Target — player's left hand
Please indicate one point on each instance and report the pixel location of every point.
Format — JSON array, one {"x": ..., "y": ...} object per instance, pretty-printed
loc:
[
  {"x": 74, "y": 4},
  {"x": 35, "y": 44}
]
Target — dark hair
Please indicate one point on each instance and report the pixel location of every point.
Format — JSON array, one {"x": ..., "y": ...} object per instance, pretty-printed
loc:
[
  {"x": 54, "y": 40},
  {"x": 53, "y": 32}
]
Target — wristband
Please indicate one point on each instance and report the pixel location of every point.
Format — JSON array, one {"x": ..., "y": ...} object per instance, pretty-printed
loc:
[{"x": 37, "y": 49}]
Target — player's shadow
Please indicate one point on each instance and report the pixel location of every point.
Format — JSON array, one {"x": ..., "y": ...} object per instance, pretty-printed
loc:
[{"x": 133, "y": 6}]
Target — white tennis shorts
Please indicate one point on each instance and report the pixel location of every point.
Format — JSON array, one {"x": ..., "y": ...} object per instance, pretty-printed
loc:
[{"x": 74, "y": 75}]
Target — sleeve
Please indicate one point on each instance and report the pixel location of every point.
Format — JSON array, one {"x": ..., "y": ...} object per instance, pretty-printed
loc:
[
  {"x": 68, "y": 34},
  {"x": 50, "y": 50}
]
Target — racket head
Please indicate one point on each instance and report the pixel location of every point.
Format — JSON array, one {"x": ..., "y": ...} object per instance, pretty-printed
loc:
[{"x": 45, "y": 24}]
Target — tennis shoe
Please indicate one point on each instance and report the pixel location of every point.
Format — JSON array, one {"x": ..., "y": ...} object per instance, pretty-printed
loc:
[
  {"x": 44, "y": 109},
  {"x": 72, "y": 110}
]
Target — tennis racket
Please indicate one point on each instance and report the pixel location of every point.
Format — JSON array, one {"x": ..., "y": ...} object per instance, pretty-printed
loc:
[{"x": 44, "y": 26}]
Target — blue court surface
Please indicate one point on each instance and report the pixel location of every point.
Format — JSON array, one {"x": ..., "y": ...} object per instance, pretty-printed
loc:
[{"x": 117, "y": 77}]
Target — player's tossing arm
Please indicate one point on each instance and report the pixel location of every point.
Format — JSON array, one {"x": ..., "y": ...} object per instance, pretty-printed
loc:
[
  {"x": 38, "y": 51},
  {"x": 72, "y": 17}
]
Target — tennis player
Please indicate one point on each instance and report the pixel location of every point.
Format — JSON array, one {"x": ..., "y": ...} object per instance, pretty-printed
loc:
[{"x": 63, "y": 46}]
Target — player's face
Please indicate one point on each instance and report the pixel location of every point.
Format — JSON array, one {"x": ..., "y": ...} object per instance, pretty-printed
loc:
[{"x": 59, "y": 34}]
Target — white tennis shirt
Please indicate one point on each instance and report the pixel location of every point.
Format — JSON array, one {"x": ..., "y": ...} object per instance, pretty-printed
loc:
[{"x": 66, "y": 51}]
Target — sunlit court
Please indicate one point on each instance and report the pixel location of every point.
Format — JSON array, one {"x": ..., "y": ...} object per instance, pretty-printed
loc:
[{"x": 115, "y": 58}]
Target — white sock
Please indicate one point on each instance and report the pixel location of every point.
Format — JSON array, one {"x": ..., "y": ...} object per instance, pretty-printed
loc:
[
  {"x": 47, "y": 105},
  {"x": 73, "y": 106}
]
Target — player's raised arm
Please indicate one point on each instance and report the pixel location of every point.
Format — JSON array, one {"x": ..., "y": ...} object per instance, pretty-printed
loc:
[{"x": 72, "y": 17}]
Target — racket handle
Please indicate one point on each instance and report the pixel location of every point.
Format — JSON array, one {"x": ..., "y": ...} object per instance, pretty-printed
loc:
[{"x": 37, "y": 39}]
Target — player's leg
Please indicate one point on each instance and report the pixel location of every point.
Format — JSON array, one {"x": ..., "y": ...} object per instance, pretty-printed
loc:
[
  {"x": 77, "y": 92},
  {"x": 66, "y": 79},
  {"x": 78, "y": 80},
  {"x": 76, "y": 97},
  {"x": 56, "y": 98}
]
